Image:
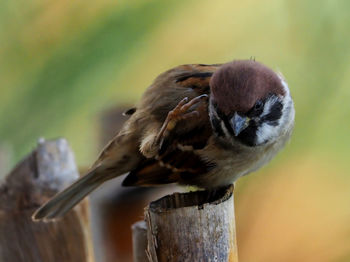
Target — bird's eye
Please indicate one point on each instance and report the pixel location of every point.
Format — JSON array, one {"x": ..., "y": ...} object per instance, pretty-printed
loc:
[{"x": 258, "y": 105}]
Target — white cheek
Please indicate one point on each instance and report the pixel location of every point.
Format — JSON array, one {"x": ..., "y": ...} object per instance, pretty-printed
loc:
[
  {"x": 287, "y": 104},
  {"x": 265, "y": 132},
  {"x": 267, "y": 107},
  {"x": 285, "y": 86},
  {"x": 222, "y": 124},
  {"x": 223, "y": 127}
]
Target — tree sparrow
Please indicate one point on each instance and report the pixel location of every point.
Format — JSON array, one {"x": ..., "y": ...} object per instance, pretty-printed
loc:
[{"x": 199, "y": 125}]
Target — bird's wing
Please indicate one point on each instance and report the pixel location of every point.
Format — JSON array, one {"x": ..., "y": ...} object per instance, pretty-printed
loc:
[
  {"x": 177, "y": 160},
  {"x": 122, "y": 154}
]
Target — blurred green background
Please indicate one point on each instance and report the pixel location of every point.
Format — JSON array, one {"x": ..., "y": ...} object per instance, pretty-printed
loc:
[{"x": 64, "y": 62}]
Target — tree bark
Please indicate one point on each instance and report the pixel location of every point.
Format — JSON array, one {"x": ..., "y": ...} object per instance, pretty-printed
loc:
[
  {"x": 47, "y": 170},
  {"x": 196, "y": 226}
]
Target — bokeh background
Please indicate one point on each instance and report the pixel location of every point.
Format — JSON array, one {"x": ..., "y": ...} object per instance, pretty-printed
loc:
[{"x": 63, "y": 63}]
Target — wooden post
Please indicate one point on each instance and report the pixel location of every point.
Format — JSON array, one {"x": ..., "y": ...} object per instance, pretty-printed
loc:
[
  {"x": 139, "y": 241},
  {"x": 195, "y": 226},
  {"x": 47, "y": 170}
]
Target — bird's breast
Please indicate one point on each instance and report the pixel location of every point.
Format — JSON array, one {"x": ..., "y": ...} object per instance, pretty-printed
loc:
[{"x": 232, "y": 163}]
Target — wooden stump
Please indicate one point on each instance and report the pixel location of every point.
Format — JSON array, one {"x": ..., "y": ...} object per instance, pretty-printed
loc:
[
  {"x": 47, "y": 170},
  {"x": 196, "y": 226},
  {"x": 139, "y": 241}
]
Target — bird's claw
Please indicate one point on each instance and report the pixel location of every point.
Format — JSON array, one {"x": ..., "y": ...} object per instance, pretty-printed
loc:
[{"x": 180, "y": 112}]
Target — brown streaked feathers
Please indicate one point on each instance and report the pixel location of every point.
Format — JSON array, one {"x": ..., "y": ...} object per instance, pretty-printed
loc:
[
  {"x": 175, "y": 159},
  {"x": 134, "y": 149}
]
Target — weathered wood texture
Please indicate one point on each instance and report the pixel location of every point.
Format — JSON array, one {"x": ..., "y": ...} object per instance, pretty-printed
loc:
[
  {"x": 139, "y": 241},
  {"x": 38, "y": 177},
  {"x": 196, "y": 226}
]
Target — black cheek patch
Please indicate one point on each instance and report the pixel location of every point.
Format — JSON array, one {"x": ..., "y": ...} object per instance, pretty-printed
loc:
[
  {"x": 228, "y": 126},
  {"x": 274, "y": 115},
  {"x": 216, "y": 124}
]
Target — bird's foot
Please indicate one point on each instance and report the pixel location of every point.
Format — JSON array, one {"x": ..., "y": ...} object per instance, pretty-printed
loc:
[{"x": 180, "y": 112}]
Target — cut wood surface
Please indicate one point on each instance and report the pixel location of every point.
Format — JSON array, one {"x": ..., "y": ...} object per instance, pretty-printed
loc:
[
  {"x": 196, "y": 226},
  {"x": 47, "y": 170}
]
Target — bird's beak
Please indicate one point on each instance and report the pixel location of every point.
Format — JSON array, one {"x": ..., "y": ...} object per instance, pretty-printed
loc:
[{"x": 239, "y": 123}]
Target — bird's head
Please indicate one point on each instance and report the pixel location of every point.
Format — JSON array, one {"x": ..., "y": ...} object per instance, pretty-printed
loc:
[{"x": 249, "y": 103}]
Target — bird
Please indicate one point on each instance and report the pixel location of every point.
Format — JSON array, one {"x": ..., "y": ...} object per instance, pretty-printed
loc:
[{"x": 203, "y": 125}]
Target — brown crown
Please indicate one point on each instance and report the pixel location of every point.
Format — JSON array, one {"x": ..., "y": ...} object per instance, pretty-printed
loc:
[{"x": 236, "y": 86}]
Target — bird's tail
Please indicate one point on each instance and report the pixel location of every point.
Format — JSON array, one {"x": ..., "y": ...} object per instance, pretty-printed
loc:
[{"x": 68, "y": 198}]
